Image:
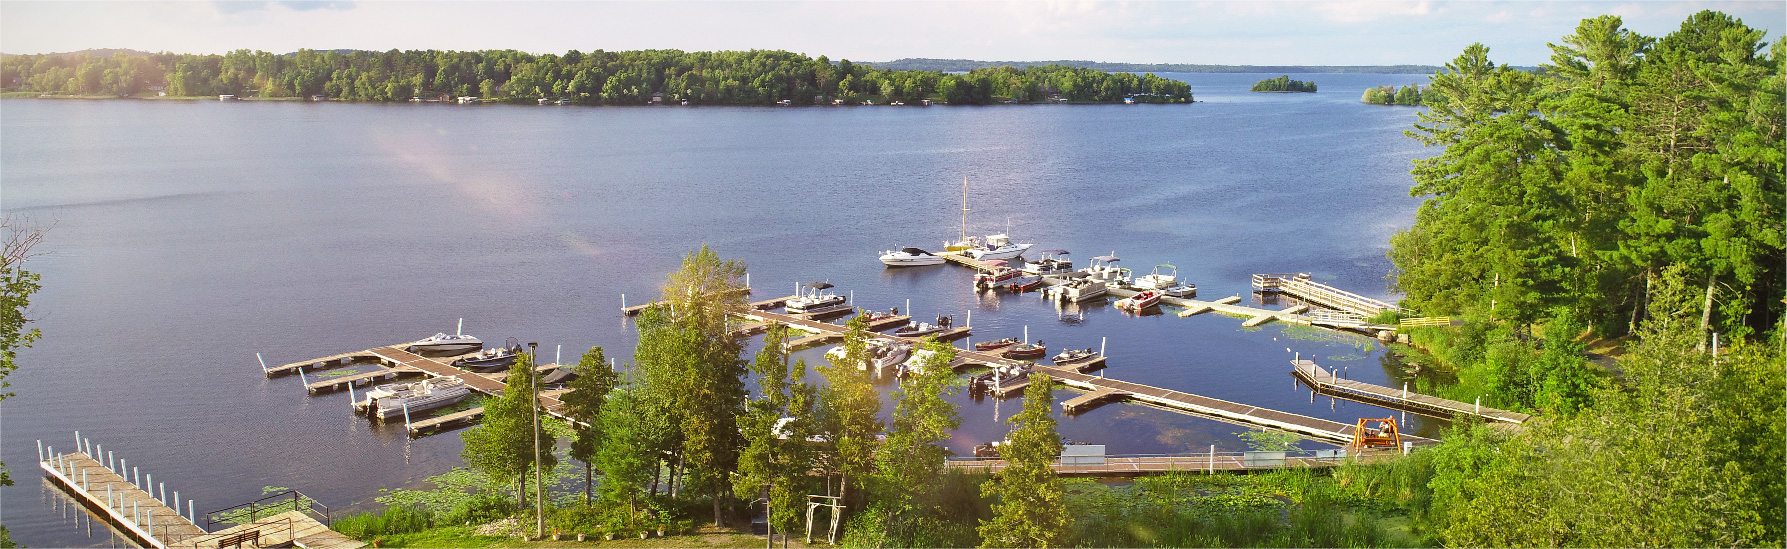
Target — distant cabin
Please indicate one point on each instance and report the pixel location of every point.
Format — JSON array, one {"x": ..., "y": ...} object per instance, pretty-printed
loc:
[
  {"x": 786, "y": 102},
  {"x": 467, "y": 99},
  {"x": 226, "y": 97},
  {"x": 925, "y": 102},
  {"x": 657, "y": 97}
]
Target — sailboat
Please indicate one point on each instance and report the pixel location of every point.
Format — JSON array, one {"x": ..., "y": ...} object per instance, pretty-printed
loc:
[{"x": 998, "y": 246}]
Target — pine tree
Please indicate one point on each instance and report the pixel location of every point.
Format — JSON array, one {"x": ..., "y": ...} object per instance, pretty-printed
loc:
[{"x": 589, "y": 393}]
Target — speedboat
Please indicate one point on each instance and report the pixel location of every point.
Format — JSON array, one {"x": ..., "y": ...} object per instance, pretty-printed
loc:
[
  {"x": 393, "y": 399},
  {"x": 909, "y": 257},
  {"x": 999, "y": 276},
  {"x": 1000, "y": 376},
  {"x": 917, "y": 329},
  {"x": 988, "y": 346},
  {"x": 1027, "y": 284},
  {"x": 1078, "y": 289},
  {"x": 1073, "y": 356},
  {"x": 814, "y": 296},
  {"x": 883, "y": 354},
  {"x": 876, "y": 316},
  {"x": 446, "y": 344},
  {"x": 491, "y": 360},
  {"x": 998, "y": 246},
  {"x": 1166, "y": 283},
  {"x": 1026, "y": 350},
  {"x": 1050, "y": 264},
  {"x": 1143, "y": 300}
]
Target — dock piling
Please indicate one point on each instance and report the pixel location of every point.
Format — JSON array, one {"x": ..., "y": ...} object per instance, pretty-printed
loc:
[
  {"x": 352, "y": 400},
  {"x": 77, "y": 441},
  {"x": 40, "y": 449},
  {"x": 305, "y": 379},
  {"x": 406, "y": 415},
  {"x": 257, "y": 356},
  {"x": 191, "y": 515},
  {"x": 623, "y": 302},
  {"x": 1101, "y": 342},
  {"x": 108, "y": 462},
  {"x": 163, "y": 488},
  {"x": 1212, "y": 469},
  {"x": 149, "y": 484}
]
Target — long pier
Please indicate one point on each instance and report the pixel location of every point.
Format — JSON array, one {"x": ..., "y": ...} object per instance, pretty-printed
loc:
[
  {"x": 1314, "y": 428},
  {"x": 1154, "y": 464},
  {"x": 1299, "y": 284},
  {"x": 1325, "y": 382}
]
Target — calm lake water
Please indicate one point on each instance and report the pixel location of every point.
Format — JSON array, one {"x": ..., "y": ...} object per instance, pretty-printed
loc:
[{"x": 189, "y": 236}]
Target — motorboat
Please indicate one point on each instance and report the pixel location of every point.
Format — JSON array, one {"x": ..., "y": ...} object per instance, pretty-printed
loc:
[
  {"x": 814, "y": 296},
  {"x": 1167, "y": 283},
  {"x": 1104, "y": 269},
  {"x": 883, "y": 354},
  {"x": 1051, "y": 263},
  {"x": 1078, "y": 289},
  {"x": 1073, "y": 356},
  {"x": 915, "y": 364},
  {"x": 1027, "y": 284},
  {"x": 876, "y": 316},
  {"x": 394, "y": 399},
  {"x": 1024, "y": 351},
  {"x": 989, "y": 346},
  {"x": 909, "y": 257},
  {"x": 999, "y": 276},
  {"x": 921, "y": 329},
  {"x": 1143, "y": 300},
  {"x": 999, "y": 376},
  {"x": 443, "y": 344},
  {"x": 491, "y": 360},
  {"x": 997, "y": 246}
]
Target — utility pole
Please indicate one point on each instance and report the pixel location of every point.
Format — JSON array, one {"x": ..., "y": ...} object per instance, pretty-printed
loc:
[{"x": 539, "y": 501}]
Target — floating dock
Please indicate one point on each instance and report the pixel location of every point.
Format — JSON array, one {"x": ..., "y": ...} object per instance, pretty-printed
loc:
[
  {"x": 1213, "y": 462},
  {"x": 1324, "y": 382},
  {"x": 1299, "y": 285},
  {"x": 400, "y": 361}
]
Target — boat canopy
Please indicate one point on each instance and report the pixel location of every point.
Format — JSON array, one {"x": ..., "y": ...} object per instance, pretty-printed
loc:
[
  {"x": 1107, "y": 258},
  {"x": 1075, "y": 274},
  {"x": 1167, "y": 265},
  {"x": 1055, "y": 252},
  {"x": 818, "y": 285},
  {"x": 996, "y": 263},
  {"x": 914, "y": 251}
]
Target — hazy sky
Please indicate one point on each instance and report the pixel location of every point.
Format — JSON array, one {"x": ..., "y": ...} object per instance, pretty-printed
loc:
[{"x": 1216, "y": 32}]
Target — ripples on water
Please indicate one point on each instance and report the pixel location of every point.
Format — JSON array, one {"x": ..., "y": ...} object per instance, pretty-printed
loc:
[{"x": 190, "y": 235}]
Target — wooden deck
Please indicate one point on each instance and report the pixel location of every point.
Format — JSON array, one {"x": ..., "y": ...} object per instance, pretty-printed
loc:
[
  {"x": 1225, "y": 462},
  {"x": 293, "y": 527},
  {"x": 1324, "y": 382},
  {"x": 1300, "y": 285},
  {"x": 401, "y": 361},
  {"x": 338, "y": 383},
  {"x": 1090, "y": 400}
]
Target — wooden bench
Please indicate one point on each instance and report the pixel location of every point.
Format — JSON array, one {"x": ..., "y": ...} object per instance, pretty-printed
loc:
[{"x": 236, "y": 540}]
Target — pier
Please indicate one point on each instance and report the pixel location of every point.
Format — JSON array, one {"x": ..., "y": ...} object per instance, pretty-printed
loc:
[
  {"x": 1299, "y": 285},
  {"x": 399, "y": 361},
  {"x": 142, "y": 510},
  {"x": 1324, "y": 382},
  {"x": 1135, "y": 465},
  {"x": 1222, "y": 410}
]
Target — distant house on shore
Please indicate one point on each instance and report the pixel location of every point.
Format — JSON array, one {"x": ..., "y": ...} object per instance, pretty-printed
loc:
[
  {"x": 467, "y": 99},
  {"x": 226, "y": 97},
  {"x": 657, "y": 97}
]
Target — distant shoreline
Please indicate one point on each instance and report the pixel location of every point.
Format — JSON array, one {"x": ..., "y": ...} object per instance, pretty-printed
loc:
[{"x": 963, "y": 65}]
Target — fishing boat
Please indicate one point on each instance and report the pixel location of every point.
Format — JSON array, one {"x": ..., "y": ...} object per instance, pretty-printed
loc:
[
  {"x": 909, "y": 257},
  {"x": 1073, "y": 356},
  {"x": 1167, "y": 283},
  {"x": 814, "y": 296},
  {"x": 988, "y": 346},
  {"x": 443, "y": 344},
  {"x": 921, "y": 329},
  {"x": 997, "y": 246},
  {"x": 883, "y": 354},
  {"x": 1027, "y": 284},
  {"x": 491, "y": 360},
  {"x": 876, "y": 316},
  {"x": 392, "y": 400},
  {"x": 999, "y": 376},
  {"x": 1024, "y": 351},
  {"x": 1143, "y": 300},
  {"x": 1051, "y": 263}
]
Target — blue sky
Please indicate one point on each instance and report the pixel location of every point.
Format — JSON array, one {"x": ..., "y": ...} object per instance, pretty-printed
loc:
[{"x": 1214, "y": 32}]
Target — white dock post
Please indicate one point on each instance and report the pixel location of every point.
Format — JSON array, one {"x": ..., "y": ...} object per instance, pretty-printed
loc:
[
  {"x": 40, "y": 449},
  {"x": 136, "y": 479},
  {"x": 1405, "y": 390},
  {"x": 257, "y": 356},
  {"x": 969, "y": 322},
  {"x": 908, "y": 306},
  {"x": 109, "y": 463},
  {"x": 1026, "y": 334},
  {"x": 406, "y": 416},
  {"x": 77, "y": 441},
  {"x": 558, "y": 356},
  {"x": 623, "y": 302},
  {"x": 149, "y": 484},
  {"x": 1101, "y": 342},
  {"x": 1479, "y": 405},
  {"x": 1212, "y": 469},
  {"x": 122, "y": 467},
  {"x": 176, "y": 504},
  {"x": 613, "y": 366},
  {"x": 853, "y": 295},
  {"x": 461, "y": 329},
  {"x": 747, "y": 281},
  {"x": 84, "y": 479},
  {"x": 51, "y": 451},
  {"x": 306, "y": 379},
  {"x": 352, "y": 400},
  {"x": 191, "y": 515},
  {"x": 163, "y": 488},
  {"x": 136, "y": 512}
]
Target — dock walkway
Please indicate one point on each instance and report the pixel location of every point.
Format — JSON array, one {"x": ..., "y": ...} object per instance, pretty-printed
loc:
[
  {"x": 119, "y": 501},
  {"x": 1299, "y": 284},
  {"x": 1325, "y": 382},
  {"x": 1213, "y": 462}
]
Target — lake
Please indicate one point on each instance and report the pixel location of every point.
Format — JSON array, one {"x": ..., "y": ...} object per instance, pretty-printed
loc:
[{"x": 189, "y": 236}]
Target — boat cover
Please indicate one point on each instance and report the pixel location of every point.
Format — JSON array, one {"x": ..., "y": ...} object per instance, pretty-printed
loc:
[
  {"x": 914, "y": 251},
  {"x": 1055, "y": 252},
  {"x": 819, "y": 285},
  {"x": 1107, "y": 258}
]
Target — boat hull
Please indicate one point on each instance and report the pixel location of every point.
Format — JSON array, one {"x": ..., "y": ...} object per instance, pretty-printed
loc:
[
  {"x": 911, "y": 261},
  {"x": 1006, "y": 252},
  {"x": 453, "y": 348},
  {"x": 447, "y": 397}
]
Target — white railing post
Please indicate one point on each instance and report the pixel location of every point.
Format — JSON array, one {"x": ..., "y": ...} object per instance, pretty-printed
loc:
[{"x": 1212, "y": 469}]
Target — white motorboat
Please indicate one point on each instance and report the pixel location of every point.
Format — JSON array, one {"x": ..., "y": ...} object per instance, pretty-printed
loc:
[
  {"x": 909, "y": 257},
  {"x": 998, "y": 246},
  {"x": 915, "y": 364},
  {"x": 1104, "y": 269},
  {"x": 814, "y": 296},
  {"x": 883, "y": 354},
  {"x": 444, "y": 344},
  {"x": 1052, "y": 263},
  {"x": 491, "y": 360},
  {"x": 391, "y": 400}
]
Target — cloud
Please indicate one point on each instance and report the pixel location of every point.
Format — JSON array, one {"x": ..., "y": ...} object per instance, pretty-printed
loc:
[
  {"x": 308, "y": 5},
  {"x": 1361, "y": 11},
  {"x": 231, "y": 7}
]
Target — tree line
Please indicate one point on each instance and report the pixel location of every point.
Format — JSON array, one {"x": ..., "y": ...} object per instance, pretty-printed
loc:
[
  {"x": 756, "y": 77},
  {"x": 1392, "y": 95},
  {"x": 1284, "y": 84}
]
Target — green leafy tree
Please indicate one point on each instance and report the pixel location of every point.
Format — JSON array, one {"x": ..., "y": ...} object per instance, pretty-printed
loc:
[
  {"x": 777, "y": 425},
  {"x": 17, "y": 285},
  {"x": 913, "y": 459},
  {"x": 502, "y": 445},
  {"x": 589, "y": 393},
  {"x": 701, "y": 296},
  {"x": 1030, "y": 509},
  {"x": 850, "y": 412}
]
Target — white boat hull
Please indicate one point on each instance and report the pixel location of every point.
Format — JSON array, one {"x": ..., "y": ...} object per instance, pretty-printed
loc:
[
  {"x": 911, "y": 261},
  {"x": 1003, "y": 252}
]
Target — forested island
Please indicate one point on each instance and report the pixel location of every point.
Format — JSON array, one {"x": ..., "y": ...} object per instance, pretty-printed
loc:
[
  {"x": 1392, "y": 95},
  {"x": 756, "y": 77},
  {"x": 1284, "y": 84}
]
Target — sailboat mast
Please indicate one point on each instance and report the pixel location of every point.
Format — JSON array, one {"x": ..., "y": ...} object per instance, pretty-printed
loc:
[{"x": 964, "y": 209}]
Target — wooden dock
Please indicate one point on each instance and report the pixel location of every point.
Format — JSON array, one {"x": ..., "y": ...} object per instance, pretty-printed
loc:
[
  {"x": 1325, "y": 382},
  {"x": 1090, "y": 400},
  {"x": 1214, "y": 462},
  {"x": 962, "y": 259},
  {"x": 1222, "y": 410},
  {"x": 445, "y": 422},
  {"x": 366, "y": 378},
  {"x": 1300, "y": 285},
  {"x": 889, "y": 323},
  {"x": 401, "y": 361},
  {"x": 128, "y": 507}
]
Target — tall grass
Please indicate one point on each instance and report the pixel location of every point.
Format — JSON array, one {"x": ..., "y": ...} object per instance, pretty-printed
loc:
[{"x": 393, "y": 520}]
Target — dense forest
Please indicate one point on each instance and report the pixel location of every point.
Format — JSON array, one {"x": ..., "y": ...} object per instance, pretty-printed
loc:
[
  {"x": 599, "y": 78},
  {"x": 965, "y": 65},
  {"x": 1392, "y": 95},
  {"x": 1283, "y": 84}
]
